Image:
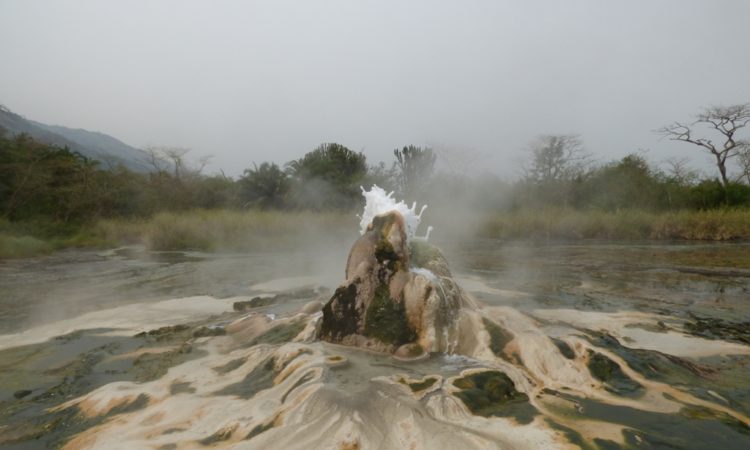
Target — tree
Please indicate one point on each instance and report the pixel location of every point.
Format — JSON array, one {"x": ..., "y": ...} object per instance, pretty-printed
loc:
[
  {"x": 415, "y": 168},
  {"x": 328, "y": 177},
  {"x": 722, "y": 121},
  {"x": 382, "y": 176},
  {"x": 556, "y": 163},
  {"x": 174, "y": 182},
  {"x": 628, "y": 183},
  {"x": 557, "y": 158},
  {"x": 266, "y": 186}
]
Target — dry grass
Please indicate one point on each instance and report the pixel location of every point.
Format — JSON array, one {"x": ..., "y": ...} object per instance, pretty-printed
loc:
[
  {"x": 227, "y": 229},
  {"x": 714, "y": 225},
  {"x": 268, "y": 230}
]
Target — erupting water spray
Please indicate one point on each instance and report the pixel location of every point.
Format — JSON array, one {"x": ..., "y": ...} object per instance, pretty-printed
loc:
[{"x": 377, "y": 202}]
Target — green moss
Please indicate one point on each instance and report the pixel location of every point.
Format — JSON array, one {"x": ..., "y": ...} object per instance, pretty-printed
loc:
[
  {"x": 492, "y": 393},
  {"x": 386, "y": 321}
]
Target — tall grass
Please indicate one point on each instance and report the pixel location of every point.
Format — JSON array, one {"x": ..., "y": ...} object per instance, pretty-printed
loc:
[
  {"x": 714, "y": 225},
  {"x": 227, "y": 229},
  {"x": 233, "y": 230}
]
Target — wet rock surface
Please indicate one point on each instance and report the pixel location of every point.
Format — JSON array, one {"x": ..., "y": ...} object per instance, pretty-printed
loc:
[
  {"x": 387, "y": 301},
  {"x": 586, "y": 373}
]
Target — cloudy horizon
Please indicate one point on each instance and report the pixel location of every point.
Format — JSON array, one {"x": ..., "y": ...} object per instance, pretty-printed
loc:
[{"x": 268, "y": 81}]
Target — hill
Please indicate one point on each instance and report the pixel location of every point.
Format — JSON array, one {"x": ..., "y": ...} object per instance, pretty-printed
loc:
[{"x": 95, "y": 145}]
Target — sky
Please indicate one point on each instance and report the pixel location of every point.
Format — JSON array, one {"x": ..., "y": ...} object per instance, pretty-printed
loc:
[{"x": 254, "y": 81}]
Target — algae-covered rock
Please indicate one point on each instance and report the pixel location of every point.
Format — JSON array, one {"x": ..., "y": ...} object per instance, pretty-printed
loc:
[
  {"x": 386, "y": 301},
  {"x": 493, "y": 393}
]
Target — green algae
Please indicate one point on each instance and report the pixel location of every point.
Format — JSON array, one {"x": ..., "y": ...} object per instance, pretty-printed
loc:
[
  {"x": 280, "y": 334},
  {"x": 386, "y": 320},
  {"x": 152, "y": 366},
  {"x": 259, "y": 379},
  {"x": 230, "y": 366},
  {"x": 693, "y": 428},
  {"x": 716, "y": 328},
  {"x": 303, "y": 379},
  {"x": 609, "y": 372},
  {"x": 417, "y": 386},
  {"x": 220, "y": 436},
  {"x": 258, "y": 429},
  {"x": 725, "y": 375},
  {"x": 181, "y": 388},
  {"x": 422, "y": 252},
  {"x": 571, "y": 435},
  {"x": 492, "y": 393},
  {"x": 564, "y": 348},
  {"x": 499, "y": 338}
]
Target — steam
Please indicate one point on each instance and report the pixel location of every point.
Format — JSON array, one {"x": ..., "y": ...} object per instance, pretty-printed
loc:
[{"x": 377, "y": 202}]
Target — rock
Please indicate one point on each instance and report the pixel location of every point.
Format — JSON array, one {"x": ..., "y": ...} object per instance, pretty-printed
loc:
[{"x": 385, "y": 303}]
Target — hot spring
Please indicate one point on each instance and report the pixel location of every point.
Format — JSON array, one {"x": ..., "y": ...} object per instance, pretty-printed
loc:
[{"x": 394, "y": 342}]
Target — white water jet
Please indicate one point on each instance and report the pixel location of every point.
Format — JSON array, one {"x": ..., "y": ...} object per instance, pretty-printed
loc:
[{"x": 378, "y": 201}]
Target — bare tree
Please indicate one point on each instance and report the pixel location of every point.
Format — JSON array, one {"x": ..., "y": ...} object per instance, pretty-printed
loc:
[
  {"x": 744, "y": 159},
  {"x": 722, "y": 121},
  {"x": 557, "y": 158},
  {"x": 173, "y": 158},
  {"x": 155, "y": 160},
  {"x": 678, "y": 170}
]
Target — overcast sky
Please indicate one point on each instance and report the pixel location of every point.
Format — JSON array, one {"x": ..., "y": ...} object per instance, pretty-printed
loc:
[{"x": 250, "y": 81}]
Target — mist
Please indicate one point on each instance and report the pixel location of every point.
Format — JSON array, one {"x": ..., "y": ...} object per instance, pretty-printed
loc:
[
  {"x": 194, "y": 253},
  {"x": 267, "y": 81}
]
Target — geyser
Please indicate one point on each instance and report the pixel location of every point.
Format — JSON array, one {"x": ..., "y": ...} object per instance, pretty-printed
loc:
[{"x": 398, "y": 295}]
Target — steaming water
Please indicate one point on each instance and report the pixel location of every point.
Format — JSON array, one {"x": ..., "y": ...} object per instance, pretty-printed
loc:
[{"x": 104, "y": 387}]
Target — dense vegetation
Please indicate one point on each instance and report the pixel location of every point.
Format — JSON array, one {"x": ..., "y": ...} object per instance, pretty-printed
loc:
[{"x": 52, "y": 197}]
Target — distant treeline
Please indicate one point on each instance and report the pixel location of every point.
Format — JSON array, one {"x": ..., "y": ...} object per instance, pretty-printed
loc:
[{"x": 39, "y": 181}]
